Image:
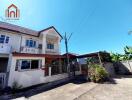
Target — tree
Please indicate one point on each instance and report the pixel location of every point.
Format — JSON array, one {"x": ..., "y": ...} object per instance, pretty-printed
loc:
[
  {"x": 128, "y": 52},
  {"x": 115, "y": 57}
]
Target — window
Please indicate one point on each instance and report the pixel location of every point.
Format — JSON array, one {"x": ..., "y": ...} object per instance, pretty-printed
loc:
[
  {"x": 28, "y": 64},
  {"x": 27, "y": 43},
  {"x": 34, "y": 64},
  {"x": 7, "y": 39},
  {"x": 30, "y": 43},
  {"x": 4, "y": 39},
  {"x": 25, "y": 64},
  {"x": 50, "y": 46}
]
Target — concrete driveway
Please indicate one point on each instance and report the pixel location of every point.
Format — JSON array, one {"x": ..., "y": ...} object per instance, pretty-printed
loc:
[{"x": 121, "y": 90}]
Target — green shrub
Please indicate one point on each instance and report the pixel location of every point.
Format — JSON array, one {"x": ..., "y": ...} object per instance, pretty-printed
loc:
[{"x": 97, "y": 73}]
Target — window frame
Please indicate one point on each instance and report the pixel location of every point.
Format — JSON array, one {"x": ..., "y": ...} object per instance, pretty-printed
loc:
[
  {"x": 19, "y": 64},
  {"x": 31, "y": 43},
  {"x": 29, "y": 64},
  {"x": 5, "y": 39},
  {"x": 50, "y": 46}
]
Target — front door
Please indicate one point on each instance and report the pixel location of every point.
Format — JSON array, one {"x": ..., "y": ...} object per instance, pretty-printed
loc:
[
  {"x": 3, "y": 64},
  {"x": 3, "y": 70}
]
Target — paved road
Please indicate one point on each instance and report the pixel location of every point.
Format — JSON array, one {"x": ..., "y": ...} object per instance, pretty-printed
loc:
[{"x": 122, "y": 90}]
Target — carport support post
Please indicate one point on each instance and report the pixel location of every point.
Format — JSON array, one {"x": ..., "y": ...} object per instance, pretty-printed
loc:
[
  {"x": 49, "y": 71},
  {"x": 60, "y": 65},
  {"x": 100, "y": 59}
]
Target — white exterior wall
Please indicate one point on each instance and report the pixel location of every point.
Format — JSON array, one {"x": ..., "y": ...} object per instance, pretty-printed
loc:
[
  {"x": 26, "y": 37},
  {"x": 25, "y": 78},
  {"x": 31, "y": 77},
  {"x": 43, "y": 43},
  {"x": 49, "y": 33},
  {"x": 14, "y": 40}
]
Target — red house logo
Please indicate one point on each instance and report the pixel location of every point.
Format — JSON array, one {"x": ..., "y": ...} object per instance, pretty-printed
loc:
[{"x": 12, "y": 12}]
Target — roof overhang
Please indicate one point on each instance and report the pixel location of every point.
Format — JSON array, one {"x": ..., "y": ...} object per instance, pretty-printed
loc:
[
  {"x": 36, "y": 55},
  {"x": 52, "y": 27}
]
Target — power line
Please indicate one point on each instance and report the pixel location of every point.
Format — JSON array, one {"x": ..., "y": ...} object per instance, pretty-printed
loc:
[{"x": 85, "y": 19}]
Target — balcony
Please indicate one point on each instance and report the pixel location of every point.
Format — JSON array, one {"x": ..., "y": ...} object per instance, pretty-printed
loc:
[
  {"x": 52, "y": 51},
  {"x": 29, "y": 50},
  {"x": 5, "y": 48}
]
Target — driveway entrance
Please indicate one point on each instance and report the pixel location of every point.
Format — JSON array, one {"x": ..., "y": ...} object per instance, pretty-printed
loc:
[{"x": 120, "y": 90}]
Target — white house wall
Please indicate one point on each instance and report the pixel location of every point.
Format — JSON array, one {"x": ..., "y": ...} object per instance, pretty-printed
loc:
[
  {"x": 31, "y": 77},
  {"x": 18, "y": 40},
  {"x": 14, "y": 40},
  {"x": 25, "y": 78},
  {"x": 52, "y": 32}
]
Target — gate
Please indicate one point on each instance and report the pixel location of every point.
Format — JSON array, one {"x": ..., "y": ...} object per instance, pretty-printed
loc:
[{"x": 2, "y": 80}]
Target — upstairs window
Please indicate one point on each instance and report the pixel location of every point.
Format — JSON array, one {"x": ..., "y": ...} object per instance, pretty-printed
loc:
[
  {"x": 30, "y": 43},
  {"x": 4, "y": 39},
  {"x": 7, "y": 39},
  {"x": 50, "y": 46}
]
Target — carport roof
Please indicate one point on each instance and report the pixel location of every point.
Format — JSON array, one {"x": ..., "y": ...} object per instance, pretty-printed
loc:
[{"x": 91, "y": 54}]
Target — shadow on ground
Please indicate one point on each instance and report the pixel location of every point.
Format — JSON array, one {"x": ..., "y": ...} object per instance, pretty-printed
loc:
[
  {"x": 123, "y": 76},
  {"x": 42, "y": 88},
  {"x": 76, "y": 80}
]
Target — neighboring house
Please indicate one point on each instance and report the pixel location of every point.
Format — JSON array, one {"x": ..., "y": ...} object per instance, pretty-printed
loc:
[
  {"x": 25, "y": 55},
  {"x": 101, "y": 58}
]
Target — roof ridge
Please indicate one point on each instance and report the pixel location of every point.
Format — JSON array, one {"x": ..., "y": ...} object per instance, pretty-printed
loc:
[{"x": 18, "y": 26}]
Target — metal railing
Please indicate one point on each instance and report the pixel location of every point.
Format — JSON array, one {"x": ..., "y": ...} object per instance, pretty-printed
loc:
[
  {"x": 2, "y": 80},
  {"x": 29, "y": 50}
]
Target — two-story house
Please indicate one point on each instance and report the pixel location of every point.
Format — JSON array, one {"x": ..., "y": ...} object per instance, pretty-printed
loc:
[{"x": 24, "y": 54}]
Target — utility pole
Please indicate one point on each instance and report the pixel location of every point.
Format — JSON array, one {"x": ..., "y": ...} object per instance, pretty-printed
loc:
[{"x": 67, "y": 55}]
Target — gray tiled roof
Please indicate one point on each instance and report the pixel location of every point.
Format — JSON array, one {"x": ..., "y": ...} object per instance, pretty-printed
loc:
[{"x": 17, "y": 28}]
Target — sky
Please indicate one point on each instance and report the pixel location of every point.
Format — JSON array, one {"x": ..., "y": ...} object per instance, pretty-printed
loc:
[{"x": 97, "y": 25}]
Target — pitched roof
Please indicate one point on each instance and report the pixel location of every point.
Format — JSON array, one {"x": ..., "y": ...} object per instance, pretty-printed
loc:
[
  {"x": 51, "y": 28},
  {"x": 16, "y": 28}
]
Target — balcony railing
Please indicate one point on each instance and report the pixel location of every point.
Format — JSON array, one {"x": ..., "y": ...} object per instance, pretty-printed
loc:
[
  {"x": 52, "y": 51},
  {"x": 5, "y": 48},
  {"x": 29, "y": 50}
]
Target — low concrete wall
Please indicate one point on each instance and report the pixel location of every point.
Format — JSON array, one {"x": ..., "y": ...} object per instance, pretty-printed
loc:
[{"x": 123, "y": 67}]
